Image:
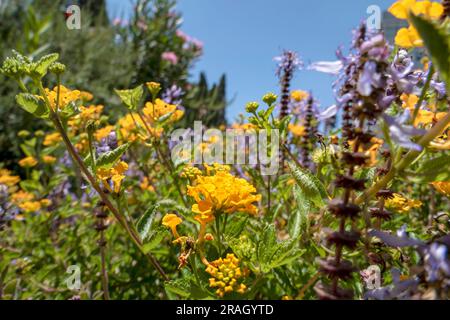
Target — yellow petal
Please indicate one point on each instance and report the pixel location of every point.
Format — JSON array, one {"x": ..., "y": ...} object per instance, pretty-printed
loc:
[{"x": 402, "y": 39}]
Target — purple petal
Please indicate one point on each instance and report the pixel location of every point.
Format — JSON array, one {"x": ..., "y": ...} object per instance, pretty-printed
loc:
[
  {"x": 330, "y": 67},
  {"x": 394, "y": 241},
  {"x": 328, "y": 113}
]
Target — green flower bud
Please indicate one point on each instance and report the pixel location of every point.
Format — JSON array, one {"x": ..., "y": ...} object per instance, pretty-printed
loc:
[
  {"x": 270, "y": 98},
  {"x": 57, "y": 68},
  {"x": 154, "y": 88},
  {"x": 39, "y": 133},
  {"x": 251, "y": 107},
  {"x": 23, "y": 133}
]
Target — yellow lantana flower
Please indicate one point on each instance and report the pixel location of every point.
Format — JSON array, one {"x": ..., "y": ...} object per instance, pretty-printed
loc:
[
  {"x": 102, "y": 133},
  {"x": 28, "y": 162},
  {"x": 408, "y": 38},
  {"x": 225, "y": 275},
  {"x": 154, "y": 111},
  {"x": 7, "y": 179},
  {"x": 30, "y": 206},
  {"x": 115, "y": 174},
  {"x": 52, "y": 139},
  {"x": 401, "y": 8},
  {"x": 222, "y": 192},
  {"x": 443, "y": 187},
  {"x": 21, "y": 196},
  {"x": 401, "y": 204},
  {"x": 48, "y": 159},
  {"x": 297, "y": 130},
  {"x": 66, "y": 96},
  {"x": 431, "y": 10},
  {"x": 171, "y": 221},
  {"x": 299, "y": 95}
]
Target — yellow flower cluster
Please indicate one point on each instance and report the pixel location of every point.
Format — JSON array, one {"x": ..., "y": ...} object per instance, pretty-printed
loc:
[
  {"x": 443, "y": 187},
  {"x": 28, "y": 162},
  {"x": 191, "y": 172},
  {"x": 102, "y": 133},
  {"x": 225, "y": 275},
  {"x": 401, "y": 204},
  {"x": 154, "y": 111},
  {"x": 93, "y": 112},
  {"x": 221, "y": 192},
  {"x": 48, "y": 159},
  {"x": 115, "y": 174},
  {"x": 7, "y": 179},
  {"x": 424, "y": 117},
  {"x": 299, "y": 95},
  {"x": 129, "y": 128},
  {"x": 66, "y": 96},
  {"x": 296, "y": 130},
  {"x": 52, "y": 139},
  {"x": 171, "y": 221},
  {"x": 27, "y": 203},
  {"x": 409, "y": 37}
]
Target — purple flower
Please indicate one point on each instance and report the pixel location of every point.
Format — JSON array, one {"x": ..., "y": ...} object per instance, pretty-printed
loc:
[
  {"x": 395, "y": 241},
  {"x": 436, "y": 262},
  {"x": 288, "y": 62},
  {"x": 400, "y": 289},
  {"x": 439, "y": 87},
  {"x": 402, "y": 134},
  {"x": 173, "y": 95}
]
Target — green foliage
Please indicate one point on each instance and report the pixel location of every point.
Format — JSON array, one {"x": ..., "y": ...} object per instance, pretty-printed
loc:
[
  {"x": 312, "y": 187},
  {"x": 438, "y": 45},
  {"x": 132, "y": 97},
  {"x": 32, "y": 104}
]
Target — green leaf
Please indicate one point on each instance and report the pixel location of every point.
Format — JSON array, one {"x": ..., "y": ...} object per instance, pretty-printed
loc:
[
  {"x": 298, "y": 221},
  {"x": 236, "y": 225},
  {"x": 144, "y": 223},
  {"x": 273, "y": 254},
  {"x": 108, "y": 159},
  {"x": 434, "y": 169},
  {"x": 32, "y": 104},
  {"x": 180, "y": 287},
  {"x": 42, "y": 65},
  {"x": 154, "y": 238},
  {"x": 311, "y": 186},
  {"x": 438, "y": 45},
  {"x": 131, "y": 97}
]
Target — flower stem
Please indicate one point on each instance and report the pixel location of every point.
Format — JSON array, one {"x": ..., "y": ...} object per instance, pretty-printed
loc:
[
  {"x": 82, "y": 166},
  {"x": 433, "y": 133}
]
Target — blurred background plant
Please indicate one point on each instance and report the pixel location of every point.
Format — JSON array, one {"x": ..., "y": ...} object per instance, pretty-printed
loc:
[{"x": 150, "y": 47}]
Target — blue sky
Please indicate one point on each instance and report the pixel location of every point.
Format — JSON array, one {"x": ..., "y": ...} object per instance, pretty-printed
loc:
[{"x": 241, "y": 37}]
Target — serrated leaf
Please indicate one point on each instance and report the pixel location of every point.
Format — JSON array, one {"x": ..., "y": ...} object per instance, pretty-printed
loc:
[
  {"x": 298, "y": 221},
  {"x": 45, "y": 62},
  {"x": 144, "y": 223},
  {"x": 108, "y": 159},
  {"x": 154, "y": 238},
  {"x": 32, "y": 104},
  {"x": 311, "y": 186},
  {"x": 236, "y": 225},
  {"x": 437, "y": 44},
  {"x": 131, "y": 97},
  {"x": 181, "y": 287}
]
